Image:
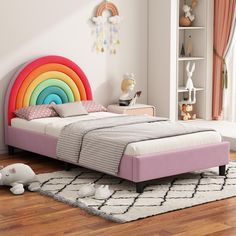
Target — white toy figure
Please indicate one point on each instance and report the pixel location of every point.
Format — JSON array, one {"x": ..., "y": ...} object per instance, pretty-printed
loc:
[
  {"x": 103, "y": 192},
  {"x": 17, "y": 176},
  {"x": 87, "y": 190},
  {"x": 188, "y": 12},
  {"x": 127, "y": 86},
  {"x": 189, "y": 85}
]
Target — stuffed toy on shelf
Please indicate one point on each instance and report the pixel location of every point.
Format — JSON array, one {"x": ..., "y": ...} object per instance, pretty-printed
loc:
[{"x": 187, "y": 112}]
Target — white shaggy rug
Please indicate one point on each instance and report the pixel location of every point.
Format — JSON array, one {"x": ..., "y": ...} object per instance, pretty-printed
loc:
[{"x": 126, "y": 205}]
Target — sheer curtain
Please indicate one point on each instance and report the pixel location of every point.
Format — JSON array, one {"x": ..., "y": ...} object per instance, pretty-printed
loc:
[
  {"x": 229, "y": 107},
  {"x": 224, "y": 12}
]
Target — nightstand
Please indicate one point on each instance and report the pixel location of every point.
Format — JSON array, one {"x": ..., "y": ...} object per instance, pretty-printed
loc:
[{"x": 138, "y": 109}]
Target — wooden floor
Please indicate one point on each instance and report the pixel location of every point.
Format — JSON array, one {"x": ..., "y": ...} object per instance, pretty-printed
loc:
[{"x": 32, "y": 214}]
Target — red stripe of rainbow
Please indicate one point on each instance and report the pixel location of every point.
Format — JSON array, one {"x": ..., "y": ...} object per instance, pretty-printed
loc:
[{"x": 39, "y": 66}]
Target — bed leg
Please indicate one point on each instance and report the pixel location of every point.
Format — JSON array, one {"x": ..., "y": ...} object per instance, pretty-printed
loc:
[
  {"x": 140, "y": 187},
  {"x": 222, "y": 170},
  {"x": 11, "y": 150},
  {"x": 67, "y": 166}
]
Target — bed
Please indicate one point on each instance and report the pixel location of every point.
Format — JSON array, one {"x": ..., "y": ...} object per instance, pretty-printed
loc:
[{"x": 141, "y": 162}]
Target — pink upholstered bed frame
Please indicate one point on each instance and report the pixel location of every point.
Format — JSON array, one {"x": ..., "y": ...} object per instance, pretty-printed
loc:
[{"x": 138, "y": 169}]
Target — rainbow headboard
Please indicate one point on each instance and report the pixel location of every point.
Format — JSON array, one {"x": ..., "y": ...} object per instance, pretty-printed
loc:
[{"x": 45, "y": 80}]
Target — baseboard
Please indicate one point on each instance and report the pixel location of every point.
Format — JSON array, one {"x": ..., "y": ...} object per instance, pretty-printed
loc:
[{"x": 3, "y": 150}]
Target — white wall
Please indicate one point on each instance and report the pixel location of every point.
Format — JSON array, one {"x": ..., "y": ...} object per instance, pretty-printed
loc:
[{"x": 33, "y": 28}]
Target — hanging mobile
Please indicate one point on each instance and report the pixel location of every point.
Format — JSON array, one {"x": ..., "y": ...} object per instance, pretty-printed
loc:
[{"x": 107, "y": 39}]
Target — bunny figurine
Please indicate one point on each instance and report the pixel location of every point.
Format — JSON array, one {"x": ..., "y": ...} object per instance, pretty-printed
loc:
[{"x": 189, "y": 85}]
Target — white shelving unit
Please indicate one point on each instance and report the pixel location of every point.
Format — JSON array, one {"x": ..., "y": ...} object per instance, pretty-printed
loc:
[
  {"x": 166, "y": 68},
  {"x": 198, "y": 33}
]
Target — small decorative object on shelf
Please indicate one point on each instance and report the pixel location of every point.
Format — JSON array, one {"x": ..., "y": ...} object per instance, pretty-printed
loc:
[
  {"x": 127, "y": 86},
  {"x": 182, "y": 53},
  {"x": 189, "y": 46},
  {"x": 107, "y": 29},
  {"x": 189, "y": 85},
  {"x": 188, "y": 17},
  {"x": 186, "y": 111},
  {"x": 194, "y": 3}
]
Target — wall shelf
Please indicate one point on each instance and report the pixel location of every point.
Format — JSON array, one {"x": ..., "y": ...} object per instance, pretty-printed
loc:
[
  {"x": 192, "y": 28},
  {"x": 182, "y": 89},
  {"x": 190, "y": 58},
  {"x": 183, "y": 121}
]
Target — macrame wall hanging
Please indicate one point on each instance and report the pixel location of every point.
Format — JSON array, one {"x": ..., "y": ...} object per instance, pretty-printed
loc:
[{"x": 107, "y": 29}]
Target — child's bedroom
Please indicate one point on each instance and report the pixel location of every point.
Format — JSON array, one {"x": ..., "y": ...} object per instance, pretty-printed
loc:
[{"x": 118, "y": 117}]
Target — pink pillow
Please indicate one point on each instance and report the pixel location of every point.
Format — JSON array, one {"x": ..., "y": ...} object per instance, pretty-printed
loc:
[
  {"x": 92, "y": 106},
  {"x": 36, "y": 112}
]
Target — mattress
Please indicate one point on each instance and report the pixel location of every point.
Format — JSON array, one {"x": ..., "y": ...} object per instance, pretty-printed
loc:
[{"x": 52, "y": 126}]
